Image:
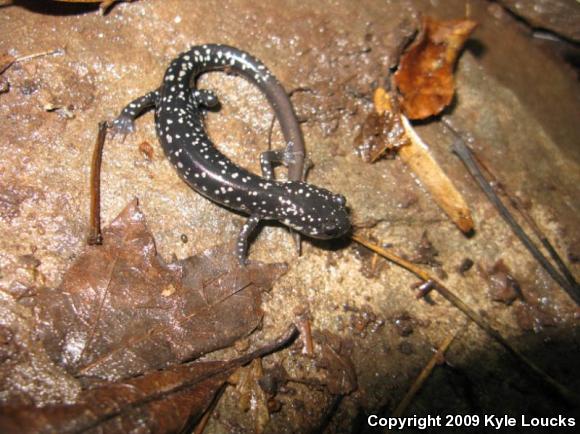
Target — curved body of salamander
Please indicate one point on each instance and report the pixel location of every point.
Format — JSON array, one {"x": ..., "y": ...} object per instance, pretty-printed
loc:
[{"x": 179, "y": 118}]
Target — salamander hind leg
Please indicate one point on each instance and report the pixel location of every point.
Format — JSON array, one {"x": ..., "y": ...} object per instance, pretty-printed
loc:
[
  {"x": 287, "y": 157},
  {"x": 242, "y": 242},
  {"x": 269, "y": 159},
  {"x": 125, "y": 122}
]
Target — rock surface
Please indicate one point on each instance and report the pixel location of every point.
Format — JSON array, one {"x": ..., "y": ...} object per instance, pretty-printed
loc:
[
  {"x": 519, "y": 103},
  {"x": 559, "y": 16}
]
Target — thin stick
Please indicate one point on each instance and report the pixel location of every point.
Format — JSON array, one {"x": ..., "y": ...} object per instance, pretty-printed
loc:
[
  {"x": 35, "y": 55},
  {"x": 424, "y": 375},
  {"x": 95, "y": 236},
  {"x": 516, "y": 203},
  {"x": 12, "y": 60},
  {"x": 303, "y": 324},
  {"x": 281, "y": 342},
  {"x": 438, "y": 286},
  {"x": 202, "y": 423},
  {"x": 465, "y": 155}
]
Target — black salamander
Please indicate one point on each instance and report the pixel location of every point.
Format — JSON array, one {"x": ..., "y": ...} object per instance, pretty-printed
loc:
[{"x": 179, "y": 119}]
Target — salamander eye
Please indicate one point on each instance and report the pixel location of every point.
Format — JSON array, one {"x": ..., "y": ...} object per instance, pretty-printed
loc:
[{"x": 340, "y": 199}]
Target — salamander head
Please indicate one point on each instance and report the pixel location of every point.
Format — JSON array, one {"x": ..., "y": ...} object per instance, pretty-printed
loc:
[{"x": 313, "y": 211}]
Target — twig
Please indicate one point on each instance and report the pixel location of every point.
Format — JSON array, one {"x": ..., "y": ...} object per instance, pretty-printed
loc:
[
  {"x": 202, "y": 423},
  {"x": 328, "y": 415},
  {"x": 438, "y": 286},
  {"x": 95, "y": 236},
  {"x": 13, "y": 60},
  {"x": 516, "y": 203},
  {"x": 464, "y": 153},
  {"x": 281, "y": 342},
  {"x": 35, "y": 55},
  {"x": 303, "y": 325},
  {"x": 424, "y": 375}
]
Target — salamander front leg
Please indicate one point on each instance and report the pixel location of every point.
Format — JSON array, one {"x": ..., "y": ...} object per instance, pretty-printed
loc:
[
  {"x": 205, "y": 98},
  {"x": 125, "y": 122},
  {"x": 242, "y": 243}
]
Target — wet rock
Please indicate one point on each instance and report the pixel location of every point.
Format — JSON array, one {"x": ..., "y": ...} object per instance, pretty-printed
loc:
[{"x": 559, "y": 16}]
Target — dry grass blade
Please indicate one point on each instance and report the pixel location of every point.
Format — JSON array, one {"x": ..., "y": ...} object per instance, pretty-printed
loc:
[{"x": 424, "y": 375}]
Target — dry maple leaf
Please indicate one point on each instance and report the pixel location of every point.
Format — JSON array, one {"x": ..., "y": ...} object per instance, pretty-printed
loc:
[
  {"x": 172, "y": 400},
  {"x": 425, "y": 74},
  {"x": 122, "y": 311}
]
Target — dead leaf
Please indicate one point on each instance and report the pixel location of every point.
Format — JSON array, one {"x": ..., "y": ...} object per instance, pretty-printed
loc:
[
  {"x": 340, "y": 378},
  {"x": 153, "y": 400},
  {"x": 425, "y": 74},
  {"x": 382, "y": 133},
  {"x": 147, "y": 150},
  {"x": 121, "y": 310},
  {"x": 426, "y": 252},
  {"x": 171, "y": 400},
  {"x": 503, "y": 286},
  {"x": 415, "y": 153},
  {"x": 27, "y": 375},
  {"x": 252, "y": 397},
  {"x": 418, "y": 157},
  {"x": 331, "y": 370}
]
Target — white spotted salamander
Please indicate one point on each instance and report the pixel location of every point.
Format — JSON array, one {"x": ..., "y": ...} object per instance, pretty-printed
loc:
[{"x": 179, "y": 119}]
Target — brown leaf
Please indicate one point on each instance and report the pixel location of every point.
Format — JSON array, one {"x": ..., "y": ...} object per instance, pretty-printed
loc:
[
  {"x": 401, "y": 137},
  {"x": 160, "y": 401},
  {"x": 153, "y": 400},
  {"x": 122, "y": 311},
  {"x": 503, "y": 286},
  {"x": 252, "y": 397},
  {"x": 425, "y": 74},
  {"x": 383, "y": 132},
  {"x": 341, "y": 378},
  {"x": 419, "y": 158},
  {"x": 147, "y": 150}
]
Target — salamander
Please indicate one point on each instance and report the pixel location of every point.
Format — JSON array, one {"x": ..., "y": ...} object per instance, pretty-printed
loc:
[{"x": 180, "y": 108}]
